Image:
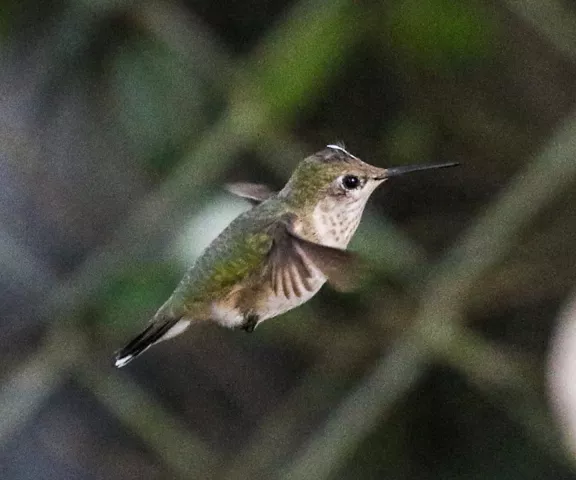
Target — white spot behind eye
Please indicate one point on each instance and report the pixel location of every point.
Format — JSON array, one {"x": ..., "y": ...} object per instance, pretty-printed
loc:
[{"x": 341, "y": 149}]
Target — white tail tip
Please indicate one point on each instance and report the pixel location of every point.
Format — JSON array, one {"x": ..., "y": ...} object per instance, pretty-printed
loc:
[{"x": 120, "y": 362}]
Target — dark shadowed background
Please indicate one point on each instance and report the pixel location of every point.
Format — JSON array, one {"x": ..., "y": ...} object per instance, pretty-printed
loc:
[{"x": 119, "y": 123}]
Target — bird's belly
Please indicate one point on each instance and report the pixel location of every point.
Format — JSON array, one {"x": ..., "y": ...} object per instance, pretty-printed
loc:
[
  {"x": 278, "y": 303},
  {"x": 265, "y": 303}
]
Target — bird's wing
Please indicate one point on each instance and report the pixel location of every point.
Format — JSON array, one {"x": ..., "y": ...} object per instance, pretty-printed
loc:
[
  {"x": 291, "y": 257},
  {"x": 255, "y": 192}
]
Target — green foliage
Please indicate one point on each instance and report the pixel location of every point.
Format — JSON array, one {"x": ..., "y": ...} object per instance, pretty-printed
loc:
[
  {"x": 9, "y": 12},
  {"x": 130, "y": 297},
  {"x": 301, "y": 56},
  {"x": 385, "y": 245},
  {"x": 410, "y": 139},
  {"x": 440, "y": 34},
  {"x": 161, "y": 101}
]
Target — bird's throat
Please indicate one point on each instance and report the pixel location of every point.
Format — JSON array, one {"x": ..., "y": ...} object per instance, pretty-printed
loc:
[{"x": 334, "y": 223}]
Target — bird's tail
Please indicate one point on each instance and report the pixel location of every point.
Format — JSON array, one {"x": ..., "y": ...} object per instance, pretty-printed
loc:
[{"x": 159, "y": 329}]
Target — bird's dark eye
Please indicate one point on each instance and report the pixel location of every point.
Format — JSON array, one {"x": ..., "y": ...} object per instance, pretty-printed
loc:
[{"x": 351, "y": 182}]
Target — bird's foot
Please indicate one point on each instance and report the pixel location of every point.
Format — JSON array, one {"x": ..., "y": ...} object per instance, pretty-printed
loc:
[{"x": 250, "y": 323}]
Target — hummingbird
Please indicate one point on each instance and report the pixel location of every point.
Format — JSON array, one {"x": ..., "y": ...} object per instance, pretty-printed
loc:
[{"x": 277, "y": 255}]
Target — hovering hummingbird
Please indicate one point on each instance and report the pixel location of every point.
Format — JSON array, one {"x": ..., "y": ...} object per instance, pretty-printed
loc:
[{"x": 277, "y": 255}]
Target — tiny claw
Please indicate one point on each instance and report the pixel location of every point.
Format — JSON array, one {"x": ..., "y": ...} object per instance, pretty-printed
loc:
[{"x": 250, "y": 324}]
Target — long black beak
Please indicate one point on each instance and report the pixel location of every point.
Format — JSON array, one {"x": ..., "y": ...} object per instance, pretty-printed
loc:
[{"x": 397, "y": 171}]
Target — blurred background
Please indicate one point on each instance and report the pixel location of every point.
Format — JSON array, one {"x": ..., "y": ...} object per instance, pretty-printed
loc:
[{"x": 119, "y": 123}]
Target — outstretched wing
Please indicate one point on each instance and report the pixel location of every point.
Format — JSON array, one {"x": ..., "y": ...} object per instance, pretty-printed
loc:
[
  {"x": 293, "y": 261},
  {"x": 255, "y": 192}
]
